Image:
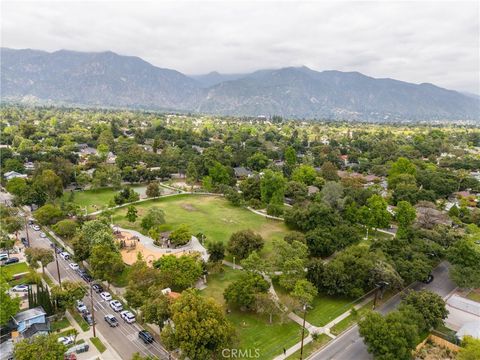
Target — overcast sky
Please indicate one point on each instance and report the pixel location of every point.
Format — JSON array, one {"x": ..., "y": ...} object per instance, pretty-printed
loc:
[{"x": 435, "y": 42}]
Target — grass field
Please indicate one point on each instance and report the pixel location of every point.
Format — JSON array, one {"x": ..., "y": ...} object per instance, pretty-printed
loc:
[
  {"x": 58, "y": 325},
  {"x": 474, "y": 295},
  {"x": 211, "y": 215},
  {"x": 8, "y": 271},
  {"x": 97, "y": 199},
  {"x": 253, "y": 331},
  {"x": 98, "y": 344},
  {"x": 311, "y": 347},
  {"x": 351, "y": 319}
]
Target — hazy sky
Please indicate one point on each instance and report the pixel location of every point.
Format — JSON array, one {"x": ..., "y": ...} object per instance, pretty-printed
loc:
[{"x": 433, "y": 41}]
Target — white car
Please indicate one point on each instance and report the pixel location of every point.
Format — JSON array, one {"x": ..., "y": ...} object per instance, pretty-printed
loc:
[
  {"x": 65, "y": 255},
  {"x": 20, "y": 288},
  {"x": 66, "y": 340},
  {"x": 43, "y": 235},
  {"x": 106, "y": 296},
  {"x": 127, "y": 316},
  {"x": 116, "y": 305},
  {"x": 3, "y": 256},
  {"x": 36, "y": 227},
  {"x": 73, "y": 266},
  {"x": 81, "y": 307}
]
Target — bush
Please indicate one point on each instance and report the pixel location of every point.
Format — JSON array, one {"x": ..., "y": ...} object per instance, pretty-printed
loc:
[
  {"x": 153, "y": 189},
  {"x": 275, "y": 209},
  {"x": 126, "y": 195},
  {"x": 255, "y": 204},
  {"x": 244, "y": 242},
  {"x": 48, "y": 214},
  {"x": 180, "y": 236},
  {"x": 65, "y": 228}
]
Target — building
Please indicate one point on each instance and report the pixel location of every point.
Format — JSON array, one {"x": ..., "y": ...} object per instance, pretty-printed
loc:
[
  {"x": 31, "y": 322},
  {"x": 13, "y": 174},
  {"x": 241, "y": 172}
]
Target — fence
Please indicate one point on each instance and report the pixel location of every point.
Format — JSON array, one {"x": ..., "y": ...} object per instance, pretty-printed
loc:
[{"x": 438, "y": 341}]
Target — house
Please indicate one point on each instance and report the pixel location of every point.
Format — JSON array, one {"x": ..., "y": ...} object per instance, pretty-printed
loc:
[
  {"x": 169, "y": 293},
  {"x": 13, "y": 174},
  {"x": 29, "y": 166},
  {"x": 31, "y": 322},
  {"x": 111, "y": 158},
  {"x": 241, "y": 172}
]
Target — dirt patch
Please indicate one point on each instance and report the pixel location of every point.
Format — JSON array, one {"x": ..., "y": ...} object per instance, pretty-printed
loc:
[{"x": 188, "y": 207}]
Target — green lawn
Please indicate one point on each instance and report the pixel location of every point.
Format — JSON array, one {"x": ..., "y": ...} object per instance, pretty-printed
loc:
[
  {"x": 326, "y": 308},
  {"x": 80, "y": 321},
  {"x": 217, "y": 283},
  {"x": 311, "y": 347},
  {"x": 351, "y": 319},
  {"x": 8, "y": 271},
  {"x": 211, "y": 215},
  {"x": 98, "y": 344},
  {"x": 59, "y": 324},
  {"x": 474, "y": 295},
  {"x": 97, "y": 199},
  {"x": 254, "y": 332}
]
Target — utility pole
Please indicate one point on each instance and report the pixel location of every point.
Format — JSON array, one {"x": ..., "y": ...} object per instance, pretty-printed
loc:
[
  {"x": 93, "y": 310},
  {"x": 26, "y": 230},
  {"x": 303, "y": 329},
  {"x": 58, "y": 267}
]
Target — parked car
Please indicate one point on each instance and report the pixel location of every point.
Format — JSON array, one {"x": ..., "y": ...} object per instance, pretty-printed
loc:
[
  {"x": 58, "y": 249},
  {"x": 12, "y": 260},
  {"x": 3, "y": 256},
  {"x": 77, "y": 349},
  {"x": 66, "y": 340},
  {"x": 65, "y": 255},
  {"x": 97, "y": 288},
  {"x": 116, "y": 305},
  {"x": 19, "y": 288},
  {"x": 73, "y": 266},
  {"x": 127, "y": 316},
  {"x": 111, "y": 320},
  {"x": 429, "y": 279},
  {"x": 88, "y": 318},
  {"x": 80, "y": 306},
  {"x": 36, "y": 227},
  {"x": 43, "y": 235},
  {"x": 86, "y": 276},
  {"x": 106, "y": 296},
  {"x": 145, "y": 336},
  {"x": 24, "y": 241}
]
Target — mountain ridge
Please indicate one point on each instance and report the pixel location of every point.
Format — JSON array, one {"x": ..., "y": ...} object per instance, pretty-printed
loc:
[{"x": 108, "y": 79}]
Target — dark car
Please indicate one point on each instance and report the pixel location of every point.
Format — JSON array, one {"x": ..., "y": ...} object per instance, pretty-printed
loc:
[
  {"x": 111, "y": 320},
  {"x": 88, "y": 318},
  {"x": 12, "y": 260},
  {"x": 97, "y": 288},
  {"x": 87, "y": 277},
  {"x": 145, "y": 336},
  {"x": 429, "y": 279}
]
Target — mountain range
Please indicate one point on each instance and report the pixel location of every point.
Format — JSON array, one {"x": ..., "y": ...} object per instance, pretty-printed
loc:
[{"x": 106, "y": 79}]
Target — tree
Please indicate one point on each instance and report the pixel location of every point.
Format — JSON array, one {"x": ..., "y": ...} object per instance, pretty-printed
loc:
[
  {"x": 154, "y": 217},
  {"x": 405, "y": 215},
  {"x": 254, "y": 263},
  {"x": 329, "y": 171},
  {"x": 105, "y": 262},
  {"x": 304, "y": 291},
  {"x": 400, "y": 167},
  {"x": 10, "y": 305},
  {"x": 430, "y": 305},
  {"x": 45, "y": 347},
  {"x": 48, "y": 214},
  {"x": 257, "y": 161},
  {"x": 201, "y": 329},
  {"x": 242, "y": 292},
  {"x": 17, "y": 186},
  {"x": 305, "y": 174},
  {"x": 242, "y": 243},
  {"x": 50, "y": 183},
  {"x": 141, "y": 278},
  {"x": 378, "y": 215},
  {"x": 272, "y": 187},
  {"x": 391, "y": 337},
  {"x": 66, "y": 295},
  {"x": 265, "y": 304},
  {"x": 179, "y": 273},
  {"x": 216, "y": 251},
  {"x": 332, "y": 193},
  {"x": 290, "y": 156},
  {"x": 126, "y": 195},
  {"x": 465, "y": 257},
  {"x": 132, "y": 214},
  {"x": 34, "y": 255},
  {"x": 296, "y": 191},
  {"x": 156, "y": 308},
  {"x": 153, "y": 189},
  {"x": 470, "y": 349},
  {"x": 6, "y": 243},
  {"x": 66, "y": 228},
  {"x": 181, "y": 235}
]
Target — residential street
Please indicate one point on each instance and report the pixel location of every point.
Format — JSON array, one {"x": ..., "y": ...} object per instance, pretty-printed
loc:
[
  {"x": 124, "y": 338},
  {"x": 350, "y": 346}
]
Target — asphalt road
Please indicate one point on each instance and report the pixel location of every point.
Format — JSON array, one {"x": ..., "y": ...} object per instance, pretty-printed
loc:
[
  {"x": 124, "y": 338},
  {"x": 350, "y": 346}
]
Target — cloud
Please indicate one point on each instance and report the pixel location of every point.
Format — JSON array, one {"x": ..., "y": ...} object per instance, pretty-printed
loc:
[{"x": 435, "y": 42}]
